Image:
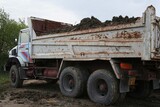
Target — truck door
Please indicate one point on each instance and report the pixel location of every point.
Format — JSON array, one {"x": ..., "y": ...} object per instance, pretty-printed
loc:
[{"x": 24, "y": 46}]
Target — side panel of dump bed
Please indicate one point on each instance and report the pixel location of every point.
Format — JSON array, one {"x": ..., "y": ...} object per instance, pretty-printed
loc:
[
  {"x": 134, "y": 40},
  {"x": 127, "y": 42}
]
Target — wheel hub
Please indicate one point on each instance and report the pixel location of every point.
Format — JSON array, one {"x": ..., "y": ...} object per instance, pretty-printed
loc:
[
  {"x": 69, "y": 83},
  {"x": 102, "y": 88},
  {"x": 13, "y": 76}
]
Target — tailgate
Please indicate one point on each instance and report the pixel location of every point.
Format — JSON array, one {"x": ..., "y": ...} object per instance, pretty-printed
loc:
[{"x": 156, "y": 41}]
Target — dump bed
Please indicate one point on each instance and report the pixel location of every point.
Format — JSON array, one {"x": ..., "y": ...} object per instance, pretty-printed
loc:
[{"x": 140, "y": 39}]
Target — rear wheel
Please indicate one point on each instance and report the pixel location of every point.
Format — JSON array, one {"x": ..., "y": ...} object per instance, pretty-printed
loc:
[
  {"x": 73, "y": 82},
  {"x": 15, "y": 77},
  {"x": 142, "y": 90},
  {"x": 102, "y": 87}
]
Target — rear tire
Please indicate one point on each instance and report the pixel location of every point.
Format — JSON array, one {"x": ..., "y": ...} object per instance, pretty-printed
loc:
[
  {"x": 73, "y": 82},
  {"x": 16, "y": 82},
  {"x": 142, "y": 90},
  {"x": 102, "y": 87}
]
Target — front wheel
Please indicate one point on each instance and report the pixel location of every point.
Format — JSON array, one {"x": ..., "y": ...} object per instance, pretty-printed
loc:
[
  {"x": 102, "y": 87},
  {"x": 15, "y": 77}
]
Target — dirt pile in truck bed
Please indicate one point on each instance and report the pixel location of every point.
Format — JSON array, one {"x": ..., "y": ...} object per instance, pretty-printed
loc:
[
  {"x": 88, "y": 23},
  {"x": 120, "y": 20},
  {"x": 93, "y": 22}
]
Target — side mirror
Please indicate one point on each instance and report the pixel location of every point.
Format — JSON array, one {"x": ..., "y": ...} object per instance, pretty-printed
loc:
[{"x": 16, "y": 40}]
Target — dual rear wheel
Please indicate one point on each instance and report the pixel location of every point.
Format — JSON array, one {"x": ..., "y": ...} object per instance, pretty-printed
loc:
[
  {"x": 73, "y": 81},
  {"x": 142, "y": 90},
  {"x": 101, "y": 85}
]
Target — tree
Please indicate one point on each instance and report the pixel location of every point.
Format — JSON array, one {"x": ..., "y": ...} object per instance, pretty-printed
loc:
[{"x": 9, "y": 30}]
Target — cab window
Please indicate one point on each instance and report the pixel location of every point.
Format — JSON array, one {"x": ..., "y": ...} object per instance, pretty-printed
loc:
[{"x": 24, "y": 38}]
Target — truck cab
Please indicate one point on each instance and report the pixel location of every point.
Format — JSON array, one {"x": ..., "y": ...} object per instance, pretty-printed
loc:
[
  {"x": 24, "y": 45},
  {"x": 20, "y": 53}
]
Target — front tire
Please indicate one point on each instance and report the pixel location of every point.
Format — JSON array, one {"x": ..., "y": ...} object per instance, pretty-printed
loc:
[
  {"x": 16, "y": 82},
  {"x": 102, "y": 87}
]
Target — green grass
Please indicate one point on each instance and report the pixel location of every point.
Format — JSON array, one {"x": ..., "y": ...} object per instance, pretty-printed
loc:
[
  {"x": 4, "y": 80},
  {"x": 4, "y": 77}
]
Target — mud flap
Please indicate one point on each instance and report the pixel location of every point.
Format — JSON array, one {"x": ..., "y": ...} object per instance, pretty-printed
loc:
[
  {"x": 156, "y": 84},
  {"x": 124, "y": 85}
]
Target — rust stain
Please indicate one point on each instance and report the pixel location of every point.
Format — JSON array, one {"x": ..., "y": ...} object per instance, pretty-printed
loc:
[
  {"x": 109, "y": 40},
  {"x": 82, "y": 54},
  {"x": 139, "y": 54},
  {"x": 87, "y": 53},
  {"x": 128, "y": 35},
  {"x": 73, "y": 38},
  {"x": 99, "y": 36}
]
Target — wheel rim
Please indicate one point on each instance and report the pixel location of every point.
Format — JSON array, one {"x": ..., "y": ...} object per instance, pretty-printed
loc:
[
  {"x": 101, "y": 87},
  {"x": 13, "y": 76},
  {"x": 68, "y": 83}
]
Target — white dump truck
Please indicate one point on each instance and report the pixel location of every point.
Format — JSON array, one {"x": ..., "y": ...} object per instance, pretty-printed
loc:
[{"x": 106, "y": 62}]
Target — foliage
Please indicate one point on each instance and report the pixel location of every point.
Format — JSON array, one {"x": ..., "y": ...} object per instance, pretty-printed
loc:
[
  {"x": 4, "y": 81},
  {"x": 9, "y": 30},
  {"x": 4, "y": 78}
]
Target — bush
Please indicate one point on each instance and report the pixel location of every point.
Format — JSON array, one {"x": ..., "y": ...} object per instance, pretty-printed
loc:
[
  {"x": 4, "y": 77},
  {"x": 9, "y": 30},
  {"x": 4, "y": 58}
]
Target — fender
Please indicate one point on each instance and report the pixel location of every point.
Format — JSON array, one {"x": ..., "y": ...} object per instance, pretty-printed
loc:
[
  {"x": 20, "y": 61},
  {"x": 14, "y": 60},
  {"x": 124, "y": 86},
  {"x": 116, "y": 70}
]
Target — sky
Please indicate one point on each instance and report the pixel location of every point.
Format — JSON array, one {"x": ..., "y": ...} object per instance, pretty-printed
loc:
[{"x": 72, "y": 11}]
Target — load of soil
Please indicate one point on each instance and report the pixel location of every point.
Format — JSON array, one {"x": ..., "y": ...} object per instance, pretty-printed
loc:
[{"x": 88, "y": 23}]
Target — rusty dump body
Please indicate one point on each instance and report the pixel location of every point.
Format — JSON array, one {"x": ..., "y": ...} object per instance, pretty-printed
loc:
[{"x": 140, "y": 39}]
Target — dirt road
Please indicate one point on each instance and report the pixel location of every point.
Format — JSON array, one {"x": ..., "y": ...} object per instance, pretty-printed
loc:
[{"x": 42, "y": 94}]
